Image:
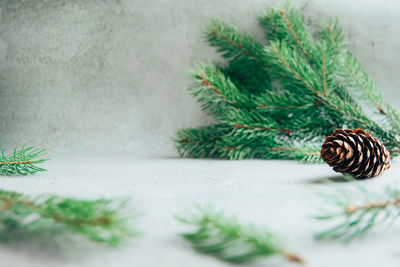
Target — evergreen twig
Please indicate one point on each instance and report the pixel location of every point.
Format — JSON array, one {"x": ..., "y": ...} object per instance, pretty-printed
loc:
[
  {"x": 225, "y": 238},
  {"x": 99, "y": 220},
  {"x": 357, "y": 211},
  {"x": 290, "y": 93},
  {"x": 21, "y": 161}
]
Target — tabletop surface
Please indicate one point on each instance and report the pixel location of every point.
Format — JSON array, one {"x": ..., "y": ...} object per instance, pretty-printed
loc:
[{"x": 280, "y": 195}]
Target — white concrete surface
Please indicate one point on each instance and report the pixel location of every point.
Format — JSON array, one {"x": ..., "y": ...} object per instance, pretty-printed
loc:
[{"x": 278, "y": 194}]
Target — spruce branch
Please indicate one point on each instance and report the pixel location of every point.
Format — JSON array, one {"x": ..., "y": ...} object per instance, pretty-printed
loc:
[
  {"x": 290, "y": 93},
  {"x": 357, "y": 211},
  {"x": 21, "y": 161},
  {"x": 99, "y": 220},
  {"x": 225, "y": 238}
]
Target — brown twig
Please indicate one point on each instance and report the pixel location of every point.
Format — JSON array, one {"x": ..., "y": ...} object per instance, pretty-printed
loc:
[
  {"x": 294, "y": 258},
  {"x": 295, "y": 73},
  {"x": 239, "y": 47},
  {"x": 229, "y": 148},
  {"x": 15, "y": 162},
  {"x": 283, "y": 14},
  {"x": 313, "y": 153},
  {"x": 282, "y": 148},
  {"x": 280, "y": 107},
  {"x": 286, "y": 131},
  {"x": 274, "y": 25},
  {"x": 353, "y": 208},
  {"x": 103, "y": 220},
  {"x": 208, "y": 83},
  {"x": 187, "y": 141},
  {"x": 95, "y": 221}
]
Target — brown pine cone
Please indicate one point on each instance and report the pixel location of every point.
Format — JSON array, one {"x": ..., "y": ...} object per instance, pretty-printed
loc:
[{"x": 355, "y": 152}]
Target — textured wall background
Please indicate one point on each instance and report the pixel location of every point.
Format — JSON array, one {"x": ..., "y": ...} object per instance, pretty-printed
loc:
[{"x": 110, "y": 75}]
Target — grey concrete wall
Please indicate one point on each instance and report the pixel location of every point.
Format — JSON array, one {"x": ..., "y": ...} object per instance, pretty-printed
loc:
[{"x": 110, "y": 75}]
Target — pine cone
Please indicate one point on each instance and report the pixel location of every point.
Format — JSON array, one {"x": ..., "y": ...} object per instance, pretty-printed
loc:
[{"x": 355, "y": 152}]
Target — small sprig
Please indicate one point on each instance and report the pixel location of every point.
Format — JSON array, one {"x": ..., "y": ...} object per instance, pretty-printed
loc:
[
  {"x": 99, "y": 220},
  {"x": 21, "y": 161},
  {"x": 225, "y": 238},
  {"x": 357, "y": 211}
]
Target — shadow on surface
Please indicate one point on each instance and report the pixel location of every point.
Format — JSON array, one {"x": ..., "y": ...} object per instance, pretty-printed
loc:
[
  {"x": 331, "y": 179},
  {"x": 53, "y": 248}
]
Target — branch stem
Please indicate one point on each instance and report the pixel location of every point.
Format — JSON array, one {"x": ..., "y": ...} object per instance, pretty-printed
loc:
[
  {"x": 15, "y": 162},
  {"x": 293, "y": 258},
  {"x": 295, "y": 73},
  {"x": 377, "y": 205},
  {"x": 239, "y": 47},
  {"x": 283, "y": 15},
  {"x": 286, "y": 131},
  {"x": 281, "y": 107},
  {"x": 8, "y": 203},
  {"x": 205, "y": 81}
]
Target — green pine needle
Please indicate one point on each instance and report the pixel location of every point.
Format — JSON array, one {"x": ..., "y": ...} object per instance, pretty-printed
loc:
[
  {"x": 356, "y": 211},
  {"x": 225, "y": 238},
  {"x": 21, "y": 161},
  {"x": 101, "y": 220}
]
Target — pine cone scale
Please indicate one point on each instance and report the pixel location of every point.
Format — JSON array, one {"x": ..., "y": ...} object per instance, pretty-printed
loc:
[
  {"x": 365, "y": 165},
  {"x": 355, "y": 152}
]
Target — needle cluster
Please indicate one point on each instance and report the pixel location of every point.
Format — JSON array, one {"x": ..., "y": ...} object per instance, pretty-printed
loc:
[
  {"x": 21, "y": 161},
  {"x": 99, "y": 220},
  {"x": 355, "y": 211},
  {"x": 227, "y": 239}
]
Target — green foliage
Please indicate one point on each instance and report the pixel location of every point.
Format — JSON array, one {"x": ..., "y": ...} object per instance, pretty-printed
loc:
[
  {"x": 225, "y": 238},
  {"x": 21, "y": 161},
  {"x": 245, "y": 54},
  {"x": 356, "y": 211},
  {"x": 282, "y": 98},
  {"x": 99, "y": 220}
]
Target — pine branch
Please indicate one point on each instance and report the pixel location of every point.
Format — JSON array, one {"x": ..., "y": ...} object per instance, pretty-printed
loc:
[
  {"x": 357, "y": 211},
  {"x": 99, "y": 220},
  {"x": 22, "y": 161},
  {"x": 308, "y": 94},
  {"x": 226, "y": 239}
]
